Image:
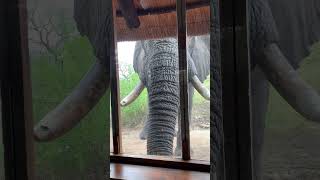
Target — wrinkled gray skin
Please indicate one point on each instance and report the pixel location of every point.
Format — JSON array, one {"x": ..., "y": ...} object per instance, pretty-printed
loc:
[{"x": 157, "y": 67}]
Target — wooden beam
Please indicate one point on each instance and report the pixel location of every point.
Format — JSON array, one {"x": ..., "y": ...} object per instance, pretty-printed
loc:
[
  {"x": 16, "y": 92},
  {"x": 129, "y": 171},
  {"x": 243, "y": 93},
  {"x": 115, "y": 92},
  {"x": 216, "y": 116},
  {"x": 168, "y": 9},
  {"x": 115, "y": 108},
  {"x": 160, "y": 161},
  {"x": 236, "y": 90},
  {"x": 231, "y": 158},
  {"x": 183, "y": 78},
  {"x": 129, "y": 13}
]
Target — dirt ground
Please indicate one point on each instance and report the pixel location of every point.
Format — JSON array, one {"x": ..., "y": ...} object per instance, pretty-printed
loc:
[
  {"x": 200, "y": 143},
  {"x": 199, "y": 136},
  {"x": 288, "y": 155}
]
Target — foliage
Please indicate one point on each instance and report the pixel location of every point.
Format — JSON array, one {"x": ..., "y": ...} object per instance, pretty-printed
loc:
[
  {"x": 49, "y": 32},
  {"x": 134, "y": 113},
  {"x": 125, "y": 71}
]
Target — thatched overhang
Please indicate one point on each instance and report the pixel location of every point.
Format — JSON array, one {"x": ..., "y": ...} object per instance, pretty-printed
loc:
[{"x": 151, "y": 19}]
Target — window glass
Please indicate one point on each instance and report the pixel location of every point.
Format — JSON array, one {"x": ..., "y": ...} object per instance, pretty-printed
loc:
[
  {"x": 149, "y": 67},
  {"x": 285, "y": 89},
  {"x": 134, "y": 115},
  {"x": 59, "y": 58},
  {"x": 148, "y": 70}
]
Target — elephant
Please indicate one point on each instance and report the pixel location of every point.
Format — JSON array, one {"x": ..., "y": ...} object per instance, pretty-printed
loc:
[
  {"x": 147, "y": 55},
  {"x": 281, "y": 32}
]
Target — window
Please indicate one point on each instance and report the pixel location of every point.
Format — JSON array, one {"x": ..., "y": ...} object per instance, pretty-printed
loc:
[
  {"x": 126, "y": 144},
  {"x": 230, "y": 140}
]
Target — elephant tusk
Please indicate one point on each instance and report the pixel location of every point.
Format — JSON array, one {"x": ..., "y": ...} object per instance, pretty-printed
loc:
[
  {"x": 203, "y": 91},
  {"x": 300, "y": 95},
  {"x": 68, "y": 113},
  {"x": 134, "y": 94}
]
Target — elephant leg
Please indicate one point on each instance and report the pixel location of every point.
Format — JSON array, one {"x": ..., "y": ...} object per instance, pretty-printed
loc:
[
  {"x": 179, "y": 143},
  {"x": 260, "y": 97}
]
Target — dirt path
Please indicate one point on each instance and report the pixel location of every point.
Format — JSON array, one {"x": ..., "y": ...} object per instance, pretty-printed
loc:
[{"x": 199, "y": 140}]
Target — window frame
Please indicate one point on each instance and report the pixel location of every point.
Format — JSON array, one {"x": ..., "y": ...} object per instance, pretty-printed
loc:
[
  {"x": 236, "y": 85},
  {"x": 16, "y": 92},
  {"x": 185, "y": 162},
  {"x": 234, "y": 28}
]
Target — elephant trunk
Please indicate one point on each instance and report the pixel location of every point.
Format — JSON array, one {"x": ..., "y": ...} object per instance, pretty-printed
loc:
[{"x": 163, "y": 92}]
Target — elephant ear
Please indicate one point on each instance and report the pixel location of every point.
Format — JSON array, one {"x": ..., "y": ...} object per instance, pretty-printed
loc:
[
  {"x": 138, "y": 58},
  {"x": 94, "y": 20},
  {"x": 298, "y": 25},
  {"x": 198, "y": 48}
]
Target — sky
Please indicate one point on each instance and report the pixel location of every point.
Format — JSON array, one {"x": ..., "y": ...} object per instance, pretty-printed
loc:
[{"x": 125, "y": 52}]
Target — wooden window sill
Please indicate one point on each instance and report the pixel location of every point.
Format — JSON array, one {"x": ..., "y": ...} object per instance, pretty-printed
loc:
[{"x": 134, "y": 172}]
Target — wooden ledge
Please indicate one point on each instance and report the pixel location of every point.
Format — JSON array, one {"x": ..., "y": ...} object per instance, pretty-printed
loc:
[
  {"x": 134, "y": 172},
  {"x": 161, "y": 162}
]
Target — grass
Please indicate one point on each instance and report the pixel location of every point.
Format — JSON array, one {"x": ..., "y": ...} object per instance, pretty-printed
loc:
[
  {"x": 197, "y": 98},
  {"x": 132, "y": 114}
]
